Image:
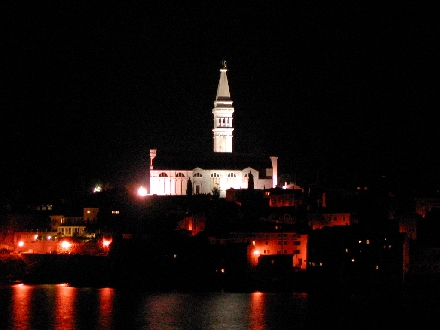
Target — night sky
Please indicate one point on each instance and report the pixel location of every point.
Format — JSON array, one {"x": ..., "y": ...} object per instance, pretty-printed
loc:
[{"x": 339, "y": 93}]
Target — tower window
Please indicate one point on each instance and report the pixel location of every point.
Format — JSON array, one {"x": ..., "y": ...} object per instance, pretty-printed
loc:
[
  {"x": 231, "y": 175},
  {"x": 180, "y": 175},
  {"x": 215, "y": 175},
  {"x": 163, "y": 175},
  {"x": 197, "y": 175}
]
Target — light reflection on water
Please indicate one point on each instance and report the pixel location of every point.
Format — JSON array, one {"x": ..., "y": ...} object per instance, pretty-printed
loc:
[{"x": 64, "y": 307}]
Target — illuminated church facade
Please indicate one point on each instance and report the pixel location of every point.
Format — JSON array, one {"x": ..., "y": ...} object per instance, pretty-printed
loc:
[{"x": 220, "y": 170}]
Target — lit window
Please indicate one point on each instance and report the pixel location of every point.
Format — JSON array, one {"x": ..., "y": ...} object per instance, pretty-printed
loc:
[{"x": 367, "y": 241}]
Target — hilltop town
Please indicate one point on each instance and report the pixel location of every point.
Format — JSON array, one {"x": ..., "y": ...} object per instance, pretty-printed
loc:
[
  {"x": 224, "y": 220},
  {"x": 290, "y": 237}
]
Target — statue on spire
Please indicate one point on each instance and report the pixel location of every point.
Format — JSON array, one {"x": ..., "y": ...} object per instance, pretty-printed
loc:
[{"x": 224, "y": 64}]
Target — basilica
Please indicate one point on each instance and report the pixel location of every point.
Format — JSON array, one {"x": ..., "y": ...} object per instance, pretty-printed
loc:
[{"x": 217, "y": 171}]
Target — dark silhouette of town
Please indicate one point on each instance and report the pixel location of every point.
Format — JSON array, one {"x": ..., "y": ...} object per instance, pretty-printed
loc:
[{"x": 285, "y": 238}]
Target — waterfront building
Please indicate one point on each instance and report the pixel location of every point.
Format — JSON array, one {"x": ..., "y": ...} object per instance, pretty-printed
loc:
[
  {"x": 35, "y": 242},
  {"x": 263, "y": 246}
]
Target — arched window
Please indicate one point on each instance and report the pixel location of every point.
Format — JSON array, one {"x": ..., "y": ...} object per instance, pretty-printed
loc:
[
  {"x": 197, "y": 175},
  {"x": 180, "y": 175},
  {"x": 163, "y": 175},
  {"x": 246, "y": 175},
  {"x": 231, "y": 175},
  {"x": 215, "y": 175}
]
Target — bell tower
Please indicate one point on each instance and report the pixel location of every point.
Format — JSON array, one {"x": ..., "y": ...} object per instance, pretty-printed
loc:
[{"x": 222, "y": 112}]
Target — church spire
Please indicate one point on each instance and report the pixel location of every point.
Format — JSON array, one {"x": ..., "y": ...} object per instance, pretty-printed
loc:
[
  {"x": 222, "y": 112},
  {"x": 223, "y": 86}
]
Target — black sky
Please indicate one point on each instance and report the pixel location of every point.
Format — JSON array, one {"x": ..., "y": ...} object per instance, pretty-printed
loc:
[{"x": 345, "y": 92}]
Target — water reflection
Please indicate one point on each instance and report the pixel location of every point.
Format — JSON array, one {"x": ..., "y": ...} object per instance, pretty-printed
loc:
[
  {"x": 65, "y": 307},
  {"x": 257, "y": 311},
  {"x": 105, "y": 297},
  {"x": 20, "y": 306},
  {"x": 64, "y": 310},
  {"x": 57, "y": 307}
]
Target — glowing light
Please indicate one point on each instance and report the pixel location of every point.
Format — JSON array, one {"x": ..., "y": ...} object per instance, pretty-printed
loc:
[
  {"x": 352, "y": 260},
  {"x": 97, "y": 189},
  {"x": 49, "y": 238},
  {"x": 257, "y": 252},
  {"x": 222, "y": 270},
  {"x": 35, "y": 237},
  {"x": 142, "y": 191},
  {"x": 65, "y": 244},
  {"x": 106, "y": 243},
  {"x": 20, "y": 244}
]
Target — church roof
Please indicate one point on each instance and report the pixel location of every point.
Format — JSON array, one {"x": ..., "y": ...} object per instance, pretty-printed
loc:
[{"x": 210, "y": 161}]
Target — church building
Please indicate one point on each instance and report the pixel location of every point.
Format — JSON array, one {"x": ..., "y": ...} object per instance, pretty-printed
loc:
[{"x": 217, "y": 171}]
